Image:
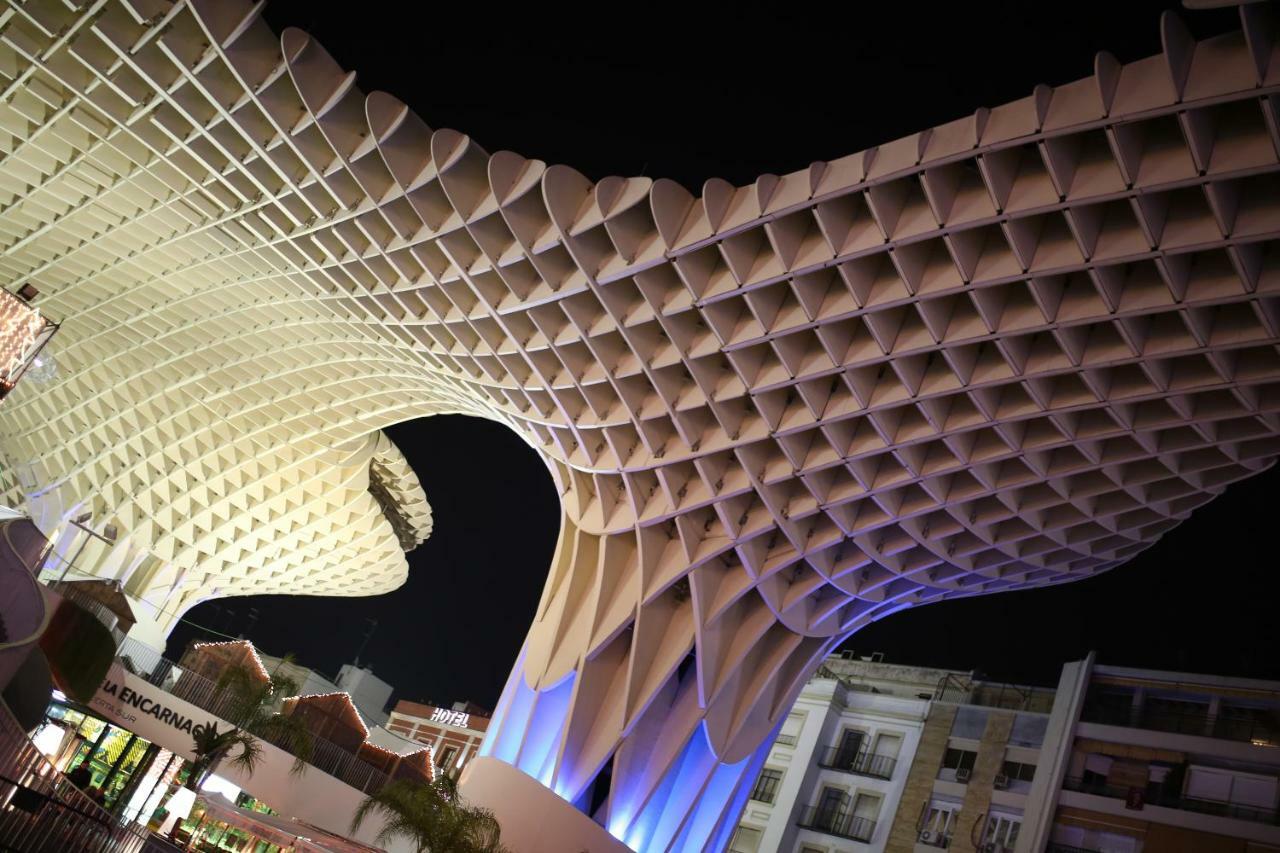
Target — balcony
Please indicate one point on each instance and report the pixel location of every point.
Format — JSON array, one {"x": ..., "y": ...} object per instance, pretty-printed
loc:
[
  {"x": 1171, "y": 800},
  {"x": 859, "y": 764},
  {"x": 1221, "y": 727},
  {"x": 837, "y": 822}
]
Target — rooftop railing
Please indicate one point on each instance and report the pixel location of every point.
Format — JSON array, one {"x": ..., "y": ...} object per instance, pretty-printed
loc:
[
  {"x": 1202, "y": 724},
  {"x": 861, "y": 764},
  {"x": 837, "y": 822},
  {"x": 1172, "y": 800}
]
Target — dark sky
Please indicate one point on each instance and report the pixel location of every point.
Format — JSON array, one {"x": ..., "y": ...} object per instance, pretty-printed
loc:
[{"x": 667, "y": 92}]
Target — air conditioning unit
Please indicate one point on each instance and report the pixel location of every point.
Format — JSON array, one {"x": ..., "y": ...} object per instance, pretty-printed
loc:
[
  {"x": 1001, "y": 782},
  {"x": 925, "y": 837},
  {"x": 962, "y": 775}
]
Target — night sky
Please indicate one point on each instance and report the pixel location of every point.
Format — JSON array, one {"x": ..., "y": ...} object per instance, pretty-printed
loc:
[{"x": 642, "y": 89}]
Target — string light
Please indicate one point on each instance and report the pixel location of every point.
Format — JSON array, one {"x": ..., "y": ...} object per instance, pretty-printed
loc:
[
  {"x": 20, "y": 328},
  {"x": 245, "y": 644},
  {"x": 345, "y": 695}
]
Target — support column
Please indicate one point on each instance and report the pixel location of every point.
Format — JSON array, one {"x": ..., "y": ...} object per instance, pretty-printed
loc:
[
  {"x": 977, "y": 796},
  {"x": 533, "y": 818},
  {"x": 918, "y": 791}
]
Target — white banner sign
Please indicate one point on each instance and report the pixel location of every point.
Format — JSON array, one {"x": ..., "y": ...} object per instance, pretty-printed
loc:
[{"x": 126, "y": 700}]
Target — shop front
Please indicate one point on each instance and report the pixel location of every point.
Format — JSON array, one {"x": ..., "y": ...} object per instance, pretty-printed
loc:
[
  {"x": 132, "y": 778},
  {"x": 105, "y": 760}
]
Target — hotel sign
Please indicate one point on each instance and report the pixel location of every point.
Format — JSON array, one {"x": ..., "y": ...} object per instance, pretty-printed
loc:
[{"x": 451, "y": 718}]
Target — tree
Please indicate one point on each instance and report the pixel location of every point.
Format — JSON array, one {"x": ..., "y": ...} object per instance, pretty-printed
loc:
[
  {"x": 248, "y": 703},
  {"x": 433, "y": 817}
]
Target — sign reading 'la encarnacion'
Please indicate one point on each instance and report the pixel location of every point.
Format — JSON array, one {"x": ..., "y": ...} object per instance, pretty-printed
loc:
[
  {"x": 146, "y": 705},
  {"x": 150, "y": 712}
]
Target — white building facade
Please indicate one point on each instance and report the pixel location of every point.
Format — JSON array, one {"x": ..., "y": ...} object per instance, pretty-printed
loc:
[{"x": 836, "y": 772}]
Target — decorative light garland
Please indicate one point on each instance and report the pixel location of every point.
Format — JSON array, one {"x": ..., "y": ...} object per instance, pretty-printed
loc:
[
  {"x": 246, "y": 644},
  {"x": 342, "y": 693},
  {"x": 20, "y": 328}
]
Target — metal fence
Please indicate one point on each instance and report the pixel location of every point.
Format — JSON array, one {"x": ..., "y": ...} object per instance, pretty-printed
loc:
[
  {"x": 41, "y": 812},
  {"x": 326, "y": 756}
]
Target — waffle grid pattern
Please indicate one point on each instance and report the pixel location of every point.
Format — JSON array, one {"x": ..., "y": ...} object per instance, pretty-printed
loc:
[{"x": 1009, "y": 351}]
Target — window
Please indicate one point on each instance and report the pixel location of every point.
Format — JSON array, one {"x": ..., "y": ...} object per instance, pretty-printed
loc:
[
  {"x": 833, "y": 808},
  {"x": 1002, "y": 831},
  {"x": 866, "y": 808},
  {"x": 888, "y": 745},
  {"x": 1029, "y": 730},
  {"x": 746, "y": 839},
  {"x": 1019, "y": 775},
  {"x": 766, "y": 789},
  {"x": 969, "y": 723},
  {"x": 807, "y": 849},
  {"x": 447, "y": 755},
  {"x": 850, "y": 746},
  {"x": 790, "y": 733},
  {"x": 939, "y": 822},
  {"x": 957, "y": 764}
]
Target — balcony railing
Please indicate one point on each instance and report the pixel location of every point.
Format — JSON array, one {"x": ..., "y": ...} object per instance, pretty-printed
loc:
[
  {"x": 862, "y": 763},
  {"x": 148, "y": 664},
  {"x": 837, "y": 822},
  {"x": 1171, "y": 800},
  {"x": 1219, "y": 726}
]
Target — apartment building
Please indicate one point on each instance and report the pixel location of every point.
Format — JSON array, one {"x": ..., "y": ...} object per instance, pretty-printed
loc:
[
  {"x": 884, "y": 757},
  {"x": 980, "y": 750},
  {"x": 1161, "y": 762},
  {"x": 880, "y": 757}
]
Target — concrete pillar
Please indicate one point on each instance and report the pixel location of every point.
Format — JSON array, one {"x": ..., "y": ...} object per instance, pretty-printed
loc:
[
  {"x": 1055, "y": 754},
  {"x": 918, "y": 791},
  {"x": 1215, "y": 708},
  {"x": 977, "y": 795},
  {"x": 1135, "y": 710}
]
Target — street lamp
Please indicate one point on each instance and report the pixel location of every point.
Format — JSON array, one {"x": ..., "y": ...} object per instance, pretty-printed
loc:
[{"x": 107, "y": 535}]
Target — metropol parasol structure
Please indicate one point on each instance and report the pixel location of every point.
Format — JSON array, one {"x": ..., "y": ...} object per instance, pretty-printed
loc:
[{"x": 1008, "y": 351}]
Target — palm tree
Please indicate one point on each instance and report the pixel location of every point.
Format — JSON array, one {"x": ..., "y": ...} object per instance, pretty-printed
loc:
[
  {"x": 432, "y": 817},
  {"x": 248, "y": 703}
]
